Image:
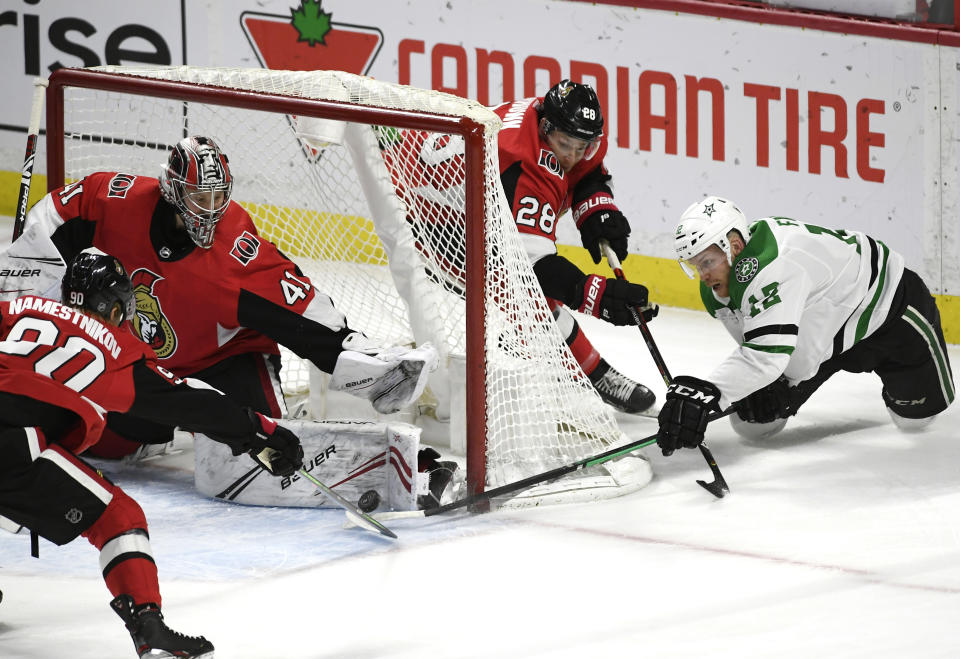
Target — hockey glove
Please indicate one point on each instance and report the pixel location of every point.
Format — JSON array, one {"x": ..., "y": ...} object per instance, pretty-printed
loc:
[
  {"x": 608, "y": 299},
  {"x": 277, "y": 449},
  {"x": 683, "y": 417},
  {"x": 599, "y": 219},
  {"x": 768, "y": 404}
]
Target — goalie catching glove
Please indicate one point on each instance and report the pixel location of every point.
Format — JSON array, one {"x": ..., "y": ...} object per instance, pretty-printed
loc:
[
  {"x": 599, "y": 219},
  {"x": 390, "y": 379},
  {"x": 609, "y": 299},
  {"x": 277, "y": 449},
  {"x": 684, "y": 415}
]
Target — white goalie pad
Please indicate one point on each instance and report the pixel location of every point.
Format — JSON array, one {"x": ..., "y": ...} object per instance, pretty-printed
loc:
[
  {"x": 354, "y": 458},
  {"x": 31, "y": 266},
  {"x": 391, "y": 379}
]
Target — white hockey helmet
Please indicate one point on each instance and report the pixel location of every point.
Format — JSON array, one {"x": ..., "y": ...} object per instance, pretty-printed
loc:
[{"x": 706, "y": 223}]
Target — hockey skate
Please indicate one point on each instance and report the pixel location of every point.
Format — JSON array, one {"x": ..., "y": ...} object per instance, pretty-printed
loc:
[
  {"x": 151, "y": 636},
  {"x": 442, "y": 478},
  {"x": 620, "y": 392}
]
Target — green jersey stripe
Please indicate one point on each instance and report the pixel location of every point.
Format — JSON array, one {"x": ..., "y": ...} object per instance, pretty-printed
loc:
[
  {"x": 787, "y": 350},
  {"x": 864, "y": 323},
  {"x": 922, "y": 325}
]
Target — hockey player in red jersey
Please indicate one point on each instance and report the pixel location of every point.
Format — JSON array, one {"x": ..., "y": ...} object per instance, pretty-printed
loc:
[
  {"x": 214, "y": 298},
  {"x": 551, "y": 160},
  {"x": 62, "y": 366}
]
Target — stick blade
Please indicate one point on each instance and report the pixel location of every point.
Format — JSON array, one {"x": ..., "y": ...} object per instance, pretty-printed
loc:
[
  {"x": 357, "y": 516},
  {"x": 715, "y": 488},
  {"x": 368, "y": 523},
  {"x": 351, "y": 520}
]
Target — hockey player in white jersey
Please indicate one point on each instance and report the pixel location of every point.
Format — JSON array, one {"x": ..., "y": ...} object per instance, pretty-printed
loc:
[{"x": 802, "y": 302}]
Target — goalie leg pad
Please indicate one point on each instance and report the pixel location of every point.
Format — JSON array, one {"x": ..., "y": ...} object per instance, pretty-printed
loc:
[
  {"x": 352, "y": 458},
  {"x": 390, "y": 380}
]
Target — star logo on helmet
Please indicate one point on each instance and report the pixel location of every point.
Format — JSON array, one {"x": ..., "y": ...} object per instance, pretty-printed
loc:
[{"x": 709, "y": 210}]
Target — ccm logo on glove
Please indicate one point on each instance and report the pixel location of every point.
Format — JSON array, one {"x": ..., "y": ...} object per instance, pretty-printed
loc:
[{"x": 691, "y": 393}]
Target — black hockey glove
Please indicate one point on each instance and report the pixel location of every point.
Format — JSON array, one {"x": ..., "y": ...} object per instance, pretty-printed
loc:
[
  {"x": 768, "y": 404},
  {"x": 608, "y": 299},
  {"x": 277, "y": 449},
  {"x": 606, "y": 224},
  {"x": 683, "y": 417}
]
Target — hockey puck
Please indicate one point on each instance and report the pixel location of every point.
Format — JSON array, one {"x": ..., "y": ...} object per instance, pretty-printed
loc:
[{"x": 369, "y": 501}]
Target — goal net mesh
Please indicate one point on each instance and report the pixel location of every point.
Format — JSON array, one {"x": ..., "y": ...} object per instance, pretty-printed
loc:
[{"x": 375, "y": 213}]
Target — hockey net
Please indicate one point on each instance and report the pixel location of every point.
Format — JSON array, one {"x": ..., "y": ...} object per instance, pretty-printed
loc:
[{"x": 388, "y": 198}]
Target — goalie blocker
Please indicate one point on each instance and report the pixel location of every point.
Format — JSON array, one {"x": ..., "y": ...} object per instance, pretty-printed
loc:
[{"x": 353, "y": 457}]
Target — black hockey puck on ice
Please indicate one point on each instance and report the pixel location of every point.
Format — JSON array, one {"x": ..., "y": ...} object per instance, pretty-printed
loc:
[{"x": 369, "y": 501}]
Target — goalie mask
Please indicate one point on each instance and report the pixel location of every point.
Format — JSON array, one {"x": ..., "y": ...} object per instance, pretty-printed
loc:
[
  {"x": 707, "y": 223},
  {"x": 96, "y": 282},
  {"x": 573, "y": 109},
  {"x": 196, "y": 181}
]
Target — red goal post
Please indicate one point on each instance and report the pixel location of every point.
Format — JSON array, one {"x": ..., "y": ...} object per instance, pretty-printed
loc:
[{"x": 362, "y": 211}]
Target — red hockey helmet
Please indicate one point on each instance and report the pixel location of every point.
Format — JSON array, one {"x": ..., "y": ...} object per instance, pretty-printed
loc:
[{"x": 196, "y": 180}]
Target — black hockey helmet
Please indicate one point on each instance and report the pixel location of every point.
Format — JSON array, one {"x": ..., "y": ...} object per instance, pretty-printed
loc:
[
  {"x": 96, "y": 282},
  {"x": 574, "y": 109}
]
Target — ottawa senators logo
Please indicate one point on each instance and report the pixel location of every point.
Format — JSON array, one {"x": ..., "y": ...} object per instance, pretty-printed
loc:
[
  {"x": 120, "y": 185},
  {"x": 245, "y": 248},
  {"x": 149, "y": 322},
  {"x": 548, "y": 160}
]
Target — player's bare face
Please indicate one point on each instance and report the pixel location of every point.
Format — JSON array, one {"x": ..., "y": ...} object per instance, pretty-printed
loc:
[
  {"x": 568, "y": 150},
  {"x": 713, "y": 269}
]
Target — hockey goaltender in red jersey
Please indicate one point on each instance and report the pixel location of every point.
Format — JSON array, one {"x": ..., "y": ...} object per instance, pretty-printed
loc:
[
  {"x": 61, "y": 367},
  {"x": 214, "y": 298},
  {"x": 551, "y": 160}
]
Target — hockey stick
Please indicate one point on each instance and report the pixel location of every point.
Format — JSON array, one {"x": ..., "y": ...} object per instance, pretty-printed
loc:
[
  {"x": 718, "y": 487},
  {"x": 33, "y": 130},
  {"x": 354, "y": 514},
  {"x": 536, "y": 479}
]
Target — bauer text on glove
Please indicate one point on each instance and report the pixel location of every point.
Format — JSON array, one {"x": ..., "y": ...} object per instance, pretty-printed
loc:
[
  {"x": 609, "y": 299},
  {"x": 599, "y": 219}
]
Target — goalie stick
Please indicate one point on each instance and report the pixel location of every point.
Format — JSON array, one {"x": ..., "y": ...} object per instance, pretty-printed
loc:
[
  {"x": 354, "y": 514},
  {"x": 530, "y": 481},
  {"x": 33, "y": 130},
  {"x": 718, "y": 487}
]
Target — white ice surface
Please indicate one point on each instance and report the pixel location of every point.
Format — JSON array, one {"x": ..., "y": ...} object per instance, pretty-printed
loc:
[{"x": 840, "y": 538}]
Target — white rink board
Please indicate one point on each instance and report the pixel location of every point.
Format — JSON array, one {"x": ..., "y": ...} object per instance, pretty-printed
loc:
[{"x": 900, "y": 87}]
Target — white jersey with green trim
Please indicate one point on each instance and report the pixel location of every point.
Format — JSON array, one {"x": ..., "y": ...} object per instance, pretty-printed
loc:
[{"x": 799, "y": 295}]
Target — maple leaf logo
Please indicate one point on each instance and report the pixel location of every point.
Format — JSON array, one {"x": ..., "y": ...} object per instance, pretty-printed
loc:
[{"x": 311, "y": 22}]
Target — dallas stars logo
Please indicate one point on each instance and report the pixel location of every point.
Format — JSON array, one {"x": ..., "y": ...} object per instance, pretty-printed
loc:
[
  {"x": 709, "y": 210},
  {"x": 746, "y": 269}
]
